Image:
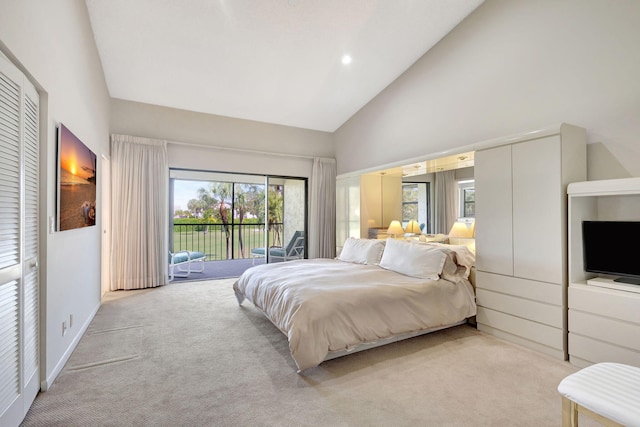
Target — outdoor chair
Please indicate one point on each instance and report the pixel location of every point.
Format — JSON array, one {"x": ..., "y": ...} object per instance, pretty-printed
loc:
[
  {"x": 180, "y": 263},
  {"x": 293, "y": 250}
]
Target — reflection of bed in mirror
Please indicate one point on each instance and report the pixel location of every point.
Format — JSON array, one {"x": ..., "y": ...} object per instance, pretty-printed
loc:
[
  {"x": 374, "y": 293},
  {"x": 368, "y": 201}
]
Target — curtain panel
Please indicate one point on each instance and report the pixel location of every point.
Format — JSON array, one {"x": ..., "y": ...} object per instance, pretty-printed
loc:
[
  {"x": 139, "y": 253},
  {"x": 446, "y": 195},
  {"x": 322, "y": 229}
]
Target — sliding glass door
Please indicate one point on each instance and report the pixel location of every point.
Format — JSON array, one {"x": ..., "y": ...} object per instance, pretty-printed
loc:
[{"x": 234, "y": 216}]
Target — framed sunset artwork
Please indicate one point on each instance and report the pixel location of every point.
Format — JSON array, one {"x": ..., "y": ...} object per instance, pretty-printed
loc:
[{"x": 76, "y": 189}]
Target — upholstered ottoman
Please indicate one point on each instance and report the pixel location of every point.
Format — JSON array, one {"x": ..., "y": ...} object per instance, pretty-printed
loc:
[{"x": 607, "y": 392}]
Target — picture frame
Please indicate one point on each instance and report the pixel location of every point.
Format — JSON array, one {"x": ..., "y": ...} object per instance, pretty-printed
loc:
[{"x": 76, "y": 182}]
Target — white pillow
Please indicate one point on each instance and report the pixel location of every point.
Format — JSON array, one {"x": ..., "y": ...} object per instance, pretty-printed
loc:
[
  {"x": 421, "y": 261},
  {"x": 362, "y": 251},
  {"x": 450, "y": 269},
  {"x": 464, "y": 256}
]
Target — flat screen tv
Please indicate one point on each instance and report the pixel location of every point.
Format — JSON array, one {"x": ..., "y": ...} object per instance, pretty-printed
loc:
[{"x": 611, "y": 248}]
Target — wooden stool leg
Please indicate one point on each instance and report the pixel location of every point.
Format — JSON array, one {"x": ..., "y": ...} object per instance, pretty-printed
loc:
[{"x": 569, "y": 413}]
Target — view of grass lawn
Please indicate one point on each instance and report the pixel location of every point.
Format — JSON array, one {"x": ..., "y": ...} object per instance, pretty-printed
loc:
[{"x": 211, "y": 239}]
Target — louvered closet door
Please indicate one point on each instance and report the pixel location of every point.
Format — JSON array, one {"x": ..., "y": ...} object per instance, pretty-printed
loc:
[
  {"x": 30, "y": 273},
  {"x": 19, "y": 335}
]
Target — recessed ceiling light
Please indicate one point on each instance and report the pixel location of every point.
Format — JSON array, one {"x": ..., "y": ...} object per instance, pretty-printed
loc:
[{"x": 346, "y": 60}]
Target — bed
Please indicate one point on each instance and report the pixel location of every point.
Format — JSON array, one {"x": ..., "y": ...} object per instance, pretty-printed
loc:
[{"x": 375, "y": 292}]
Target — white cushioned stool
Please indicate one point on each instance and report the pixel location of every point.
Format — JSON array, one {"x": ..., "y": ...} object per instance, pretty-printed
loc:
[{"x": 607, "y": 392}]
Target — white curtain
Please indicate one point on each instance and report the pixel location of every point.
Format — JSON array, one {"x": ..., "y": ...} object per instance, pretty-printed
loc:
[
  {"x": 139, "y": 252},
  {"x": 446, "y": 195},
  {"x": 322, "y": 229}
]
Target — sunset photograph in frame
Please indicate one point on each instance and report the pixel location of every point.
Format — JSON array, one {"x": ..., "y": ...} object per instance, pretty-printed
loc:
[{"x": 76, "y": 187}]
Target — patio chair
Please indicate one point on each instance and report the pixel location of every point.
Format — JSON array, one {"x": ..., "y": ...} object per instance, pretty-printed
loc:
[
  {"x": 293, "y": 250},
  {"x": 180, "y": 263}
]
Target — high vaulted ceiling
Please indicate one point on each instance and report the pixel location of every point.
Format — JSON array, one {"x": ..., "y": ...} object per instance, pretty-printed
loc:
[{"x": 275, "y": 61}]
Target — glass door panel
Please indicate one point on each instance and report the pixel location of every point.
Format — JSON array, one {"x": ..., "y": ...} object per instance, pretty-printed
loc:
[
  {"x": 234, "y": 216},
  {"x": 248, "y": 218},
  {"x": 286, "y": 218},
  {"x": 220, "y": 214}
]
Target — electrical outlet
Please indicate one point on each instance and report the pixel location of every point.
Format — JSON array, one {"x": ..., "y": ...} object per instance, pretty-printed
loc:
[
  {"x": 71, "y": 320},
  {"x": 64, "y": 328}
]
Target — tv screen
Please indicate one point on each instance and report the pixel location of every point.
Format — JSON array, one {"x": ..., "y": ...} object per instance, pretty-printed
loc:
[{"x": 610, "y": 247}]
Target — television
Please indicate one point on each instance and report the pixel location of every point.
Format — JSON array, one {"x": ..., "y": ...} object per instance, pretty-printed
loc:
[{"x": 611, "y": 248}]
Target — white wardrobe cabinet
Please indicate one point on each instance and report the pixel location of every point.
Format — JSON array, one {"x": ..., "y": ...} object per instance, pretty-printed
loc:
[
  {"x": 521, "y": 230},
  {"x": 494, "y": 202}
]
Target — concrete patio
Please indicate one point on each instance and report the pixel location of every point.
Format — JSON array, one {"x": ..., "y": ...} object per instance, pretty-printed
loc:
[{"x": 222, "y": 269}]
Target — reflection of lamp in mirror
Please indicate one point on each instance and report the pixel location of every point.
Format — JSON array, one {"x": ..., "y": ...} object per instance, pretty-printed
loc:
[
  {"x": 463, "y": 232},
  {"x": 395, "y": 228},
  {"x": 413, "y": 227}
]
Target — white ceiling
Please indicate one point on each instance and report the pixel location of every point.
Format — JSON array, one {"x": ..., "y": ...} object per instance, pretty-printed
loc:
[{"x": 275, "y": 61}]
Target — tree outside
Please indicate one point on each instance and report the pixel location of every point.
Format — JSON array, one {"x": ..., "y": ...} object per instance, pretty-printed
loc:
[
  {"x": 232, "y": 205},
  {"x": 409, "y": 202},
  {"x": 275, "y": 198}
]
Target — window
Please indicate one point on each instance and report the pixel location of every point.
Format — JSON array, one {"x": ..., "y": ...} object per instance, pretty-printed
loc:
[
  {"x": 467, "y": 199},
  {"x": 415, "y": 203}
]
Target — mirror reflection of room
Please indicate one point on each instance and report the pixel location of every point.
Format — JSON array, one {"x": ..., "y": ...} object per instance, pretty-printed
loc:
[{"x": 430, "y": 201}]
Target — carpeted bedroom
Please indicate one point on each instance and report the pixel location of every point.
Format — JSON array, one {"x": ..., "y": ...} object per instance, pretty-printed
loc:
[{"x": 188, "y": 354}]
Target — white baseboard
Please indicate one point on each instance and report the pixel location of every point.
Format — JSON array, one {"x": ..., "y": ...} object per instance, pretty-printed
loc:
[{"x": 47, "y": 382}]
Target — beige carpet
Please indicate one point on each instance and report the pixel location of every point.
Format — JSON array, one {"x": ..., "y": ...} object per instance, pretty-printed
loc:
[{"x": 187, "y": 355}]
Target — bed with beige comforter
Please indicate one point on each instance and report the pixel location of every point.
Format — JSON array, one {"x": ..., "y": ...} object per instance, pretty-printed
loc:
[{"x": 328, "y": 305}]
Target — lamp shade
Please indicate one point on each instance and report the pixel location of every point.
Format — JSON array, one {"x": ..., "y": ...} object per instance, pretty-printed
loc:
[
  {"x": 395, "y": 228},
  {"x": 413, "y": 227},
  {"x": 463, "y": 230}
]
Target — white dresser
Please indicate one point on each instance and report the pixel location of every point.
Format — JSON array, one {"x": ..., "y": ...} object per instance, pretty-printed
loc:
[{"x": 521, "y": 234}]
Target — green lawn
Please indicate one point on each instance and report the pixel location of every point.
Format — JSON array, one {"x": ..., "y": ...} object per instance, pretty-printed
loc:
[{"x": 214, "y": 243}]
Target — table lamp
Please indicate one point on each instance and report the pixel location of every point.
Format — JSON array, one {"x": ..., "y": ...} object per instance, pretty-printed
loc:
[
  {"x": 395, "y": 228},
  {"x": 413, "y": 227}
]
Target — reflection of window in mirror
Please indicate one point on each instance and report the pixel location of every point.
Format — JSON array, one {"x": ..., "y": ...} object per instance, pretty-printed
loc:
[
  {"x": 466, "y": 199},
  {"x": 415, "y": 204}
]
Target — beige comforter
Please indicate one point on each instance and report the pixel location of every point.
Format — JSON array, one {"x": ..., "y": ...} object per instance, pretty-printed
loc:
[{"x": 324, "y": 305}]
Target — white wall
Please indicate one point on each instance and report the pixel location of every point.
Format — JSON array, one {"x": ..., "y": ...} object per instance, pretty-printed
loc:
[
  {"x": 512, "y": 66},
  {"x": 206, "y": 131},
  {"x": 152, "y": 121},
  {"x": 53, "y": 43}
]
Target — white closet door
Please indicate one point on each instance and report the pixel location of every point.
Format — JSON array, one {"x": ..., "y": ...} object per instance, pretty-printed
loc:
[
  {"x": 494, "y": 245},
  {"x": 10, "y": 268},
  {"x": 537, "y": 199},
  {"x": 19, "y": 335},
  {"x": 31, "y": 282}
]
